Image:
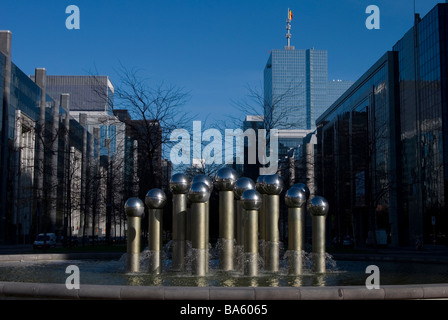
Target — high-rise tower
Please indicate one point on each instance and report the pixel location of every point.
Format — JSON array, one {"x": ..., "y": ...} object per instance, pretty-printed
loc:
[{"x": 296, "y": 86}]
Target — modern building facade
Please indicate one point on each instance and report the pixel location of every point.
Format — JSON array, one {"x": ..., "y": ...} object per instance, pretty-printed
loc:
[
  {"x": 45, "y": 154},
  {"x": 92, "y": 96},
  {"x": 296, "y": 87},
  {"x": 296, "y": 92},
  {"x": 61, "y": 161},
  {"x": 382, "y": 146},
  {"x": 92, "y": 102}
]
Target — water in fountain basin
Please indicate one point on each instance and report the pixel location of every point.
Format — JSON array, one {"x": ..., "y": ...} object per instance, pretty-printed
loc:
[{"x": 113, "y": 272}]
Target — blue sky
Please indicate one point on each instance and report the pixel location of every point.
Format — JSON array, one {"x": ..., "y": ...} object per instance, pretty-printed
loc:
[{"x": 212, "y": 48}]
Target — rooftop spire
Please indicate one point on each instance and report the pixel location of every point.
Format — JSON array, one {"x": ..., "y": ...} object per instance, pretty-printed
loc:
[{"x": 288, "y": 29}]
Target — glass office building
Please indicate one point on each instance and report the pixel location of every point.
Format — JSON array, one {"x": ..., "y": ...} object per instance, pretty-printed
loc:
[
  {"x": 296, "y": 88},
  {"x": 383, "y": 145},
  {"x": 296, "y": 93},
  {"x": 423, "y": 104},
  {"x": 355, "y": 155},
  {"x": 26, "y": 208}
]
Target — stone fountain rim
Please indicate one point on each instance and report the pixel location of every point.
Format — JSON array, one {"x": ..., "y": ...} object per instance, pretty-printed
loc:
[{"x": 45, "y": 291}]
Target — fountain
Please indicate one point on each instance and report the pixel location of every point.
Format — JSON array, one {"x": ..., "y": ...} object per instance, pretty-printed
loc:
[
  {"x": 248, "y": 251},
  {"x": 256, "y": 231}
]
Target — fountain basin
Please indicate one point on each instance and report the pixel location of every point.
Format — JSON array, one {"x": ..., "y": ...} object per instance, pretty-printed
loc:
[{"x": 102, "y": 277}]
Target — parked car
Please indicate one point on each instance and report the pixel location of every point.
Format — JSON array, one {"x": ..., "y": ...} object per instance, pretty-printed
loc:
[
  {"x": 348, "y": 242},
  {"x": 45, "y": 241}
]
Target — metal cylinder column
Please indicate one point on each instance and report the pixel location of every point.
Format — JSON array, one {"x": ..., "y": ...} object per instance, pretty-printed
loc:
[
  {"x": 225, "y": 181},
  {"x": 241, "y": 185},
  {"x": 295, "y": 199},
  {"x": 206, "y": 179},
  {"x": 179, "y": 185},
  {"x": 135, "y": 209},
  {"x": 273, "y": 188},
  {"x": 155, "y": 201},
  {"x": 318, "y": 208},
  {"x": 259, "y": 186},
  {"x": 251, "y": 200},
  {"x": 199, "y": 195}
]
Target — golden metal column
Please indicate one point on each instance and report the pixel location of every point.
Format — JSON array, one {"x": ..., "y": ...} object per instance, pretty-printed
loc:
[
  {"x": 225, "y": 181},
  {"x": 318, "y": 208},
  {"x": 296, "y": 199},
  {"x": 273, "y": 188},
  {"x": 206, "y": 179},
  {"x": 260, "y": 187},
  {"x": 241, "y": 185},
  {"x": 199, "y": 195},
  {"x": 135, "y": 209},
  {"x": 179, "y": 185},
  {"x": 251, "y": 200},
  {"x": 155, "y": 201}
]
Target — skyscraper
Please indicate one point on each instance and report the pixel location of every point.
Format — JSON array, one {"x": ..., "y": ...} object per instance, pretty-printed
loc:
[{"x": 296, "y": 86}]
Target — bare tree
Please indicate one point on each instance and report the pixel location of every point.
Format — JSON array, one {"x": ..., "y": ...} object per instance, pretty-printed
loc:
[
  {"x": 270, "y": 106},
  {"x": 156, "y": 111}
]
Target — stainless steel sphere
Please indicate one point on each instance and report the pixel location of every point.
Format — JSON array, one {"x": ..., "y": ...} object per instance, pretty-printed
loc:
[
  {"x": 199, "y": 192},
  {"x": 204, "y": 179},
  {"x": 225, "y": 179},
  {"x": 155, "y": 199},
  {"x": 273, "y": 184},
  {"x": 241, "y": 185},
  {"x": 134, "y": 207},
  {"x": 260, "y": 184},
  {"x": 251, "y": 199},
  {"x": 295, "y": 197},
  {"x": 305, "y": 189},
  {"x": 318, "y": 206},
  {"x": 179, "y": 183}
]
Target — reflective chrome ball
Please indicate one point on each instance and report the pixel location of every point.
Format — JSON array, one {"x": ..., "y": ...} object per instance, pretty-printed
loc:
[
  {"x": 199, "y": 192},
  {"x": 304, "y": 188},
  {"x": 318, "y": 206},
  {"x": 134, "y": 207},
  {"x": 273, "y": 184},
  {"x": 295, "y": 197},
  {"x": 225, "y": 179},
  {"x": 179, "y": 183},
  {"x": 251, "y": 199},
  {"x": 204, "y": 179},
  {"x": 260, "y": 184},
  {"x": 155, "y": 199},
  {"x": 241, "y": 185}
]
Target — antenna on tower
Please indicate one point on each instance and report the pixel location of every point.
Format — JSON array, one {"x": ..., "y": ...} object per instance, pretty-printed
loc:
[{"x": 288, "y": 29}]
